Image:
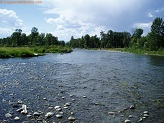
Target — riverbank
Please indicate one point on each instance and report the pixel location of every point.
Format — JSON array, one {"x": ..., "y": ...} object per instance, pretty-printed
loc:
[
  {"x": 10, "y": 52},
  {"x": 133, "y": 50}
]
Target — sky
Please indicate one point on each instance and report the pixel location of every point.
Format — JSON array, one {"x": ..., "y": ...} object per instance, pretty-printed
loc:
[{"x": 66, "y": 18}]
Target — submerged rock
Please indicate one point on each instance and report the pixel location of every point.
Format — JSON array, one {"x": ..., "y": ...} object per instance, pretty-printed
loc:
[
  {"x": 36, "y": 114},
  {"x": 67, "y": 104},
  {"x": 59, "y": 116},
  {"x": 8, "y": 115},
  {"x": 132, "y": 107},
  {"x": 111, "y": 113},
  {"x": 140, "y": 120}
]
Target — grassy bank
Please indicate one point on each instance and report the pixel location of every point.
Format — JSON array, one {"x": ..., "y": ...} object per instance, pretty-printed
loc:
[
  {"x": 9, "y": 52},
  {"x": 142, "y": 51},
  {"x": 134, "y": 50}
]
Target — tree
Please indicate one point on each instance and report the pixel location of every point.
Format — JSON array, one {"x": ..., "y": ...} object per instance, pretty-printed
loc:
[{"x": 156, "y": 35}]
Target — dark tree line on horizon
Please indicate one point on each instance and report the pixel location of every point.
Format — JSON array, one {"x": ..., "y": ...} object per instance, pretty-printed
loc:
[
  {"x": 152, "y": 41},
  {"x": 19, "y": 39}
]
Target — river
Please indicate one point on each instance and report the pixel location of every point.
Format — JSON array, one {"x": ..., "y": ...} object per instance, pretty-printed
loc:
[{"x": 99, "y": 85}]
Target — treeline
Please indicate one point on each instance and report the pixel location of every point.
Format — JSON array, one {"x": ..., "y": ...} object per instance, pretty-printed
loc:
[
  {"x": 19, "y": 39},
  {"x": 153, "y": 41}
]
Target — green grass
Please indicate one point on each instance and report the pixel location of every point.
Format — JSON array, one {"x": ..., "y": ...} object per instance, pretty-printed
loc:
[
  {"x": 9, "y": 52},
  {"x": 142, "y": 51},
  {"x": 136, "y": 51},
  {"x": 52, "y": 49}
]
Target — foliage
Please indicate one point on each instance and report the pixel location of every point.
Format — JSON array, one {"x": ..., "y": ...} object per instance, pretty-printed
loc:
[
  {"x": 19, "y": 39},
  {"x": 137, "y": 43}
]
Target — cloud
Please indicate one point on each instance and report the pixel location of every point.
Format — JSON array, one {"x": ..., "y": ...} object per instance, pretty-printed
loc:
[
  {"x": 4, "y": 32},
  {"x": 145, "y": 26},
  {"x": 92, "y": 16},
  {"x": 150, "y": 15},
  {"x": 9, "y": 21}
]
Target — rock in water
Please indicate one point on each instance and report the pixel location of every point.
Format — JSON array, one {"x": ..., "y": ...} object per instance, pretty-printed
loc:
[
  {"x": 132, "y": 107},
  {"x": 146, "y": 112},
  {"x": 8, "y": 115},
  {"x": 24, "y": 111},
  {"x": 59, "y": 116},
  {"x": 127, "y": 121},
  {"x": 67, "y": 104},
  {"x": 111, "y": 113},
  {"x": 71, "y": 118},
  {"x": 49, "y": 114},
  {"x": 16, "y": 118},
  {"x": 36, "y": 114}
]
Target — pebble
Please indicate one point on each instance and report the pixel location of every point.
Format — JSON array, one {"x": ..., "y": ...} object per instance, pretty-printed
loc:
[
  {"x": 146, "y": 115},
  {"x": 20, "y": 102},
  {"x": 67, "y": 104},
  {"x": 71, "y": 95},
  {"x": 49, "y": 114},
  {"x": 44, "y": 99},
  {"x": 36, "y": 114},
  {"x": 84, "y": 97},
  {"x": 61, "y": 113},
  {"x": 56, "y": 107},
  {"x": 130, "y": 116},
  {"x": 73, "y": 99},
  {"x": 132, "y": 107},
  {"x": 140, "y": 120},
  {"x": 66, "y": 107},
  {"x": 50, "y": 107},
  {"x": 29, "y": 115},
  {"x": 59, "y": 116},
  {"x": 127, "y": 121},
  {"x": 72, "y": 113},
  {"x": 8, "y": 115},
  {"x": 146, "y": 112},
  {"x": 71, "y": 118},
  {"x": 111, "y": 113},
  {"x": 16, "y": 118}
]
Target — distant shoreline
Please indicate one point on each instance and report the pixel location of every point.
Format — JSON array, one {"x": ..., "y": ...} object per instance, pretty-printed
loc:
[{"x": 131, "y": 50}]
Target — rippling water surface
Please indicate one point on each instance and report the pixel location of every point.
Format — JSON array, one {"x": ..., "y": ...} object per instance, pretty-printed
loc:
[{"x": 111, "y": 82}]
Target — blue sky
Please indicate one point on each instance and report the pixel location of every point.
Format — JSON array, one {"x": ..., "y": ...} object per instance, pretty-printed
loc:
[{"x": 66, "y": 18}]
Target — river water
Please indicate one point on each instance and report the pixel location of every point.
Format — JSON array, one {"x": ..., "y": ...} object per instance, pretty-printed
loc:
[{"x": 94, "y": 82}]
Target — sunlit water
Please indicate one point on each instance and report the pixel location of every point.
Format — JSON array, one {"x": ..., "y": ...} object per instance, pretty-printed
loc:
[{"x": 111, "y": 81}]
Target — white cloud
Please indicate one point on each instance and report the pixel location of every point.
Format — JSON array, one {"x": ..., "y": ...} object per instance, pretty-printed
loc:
[
  {"x": 9, "y": 21},
  {"x": 4, "y": 32},
  {"x": 145, "y": 26},
  {"x": 142, "y": 25},
  {"x": 150, "y": 15},
  {"x": 80, "y": 17}
]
